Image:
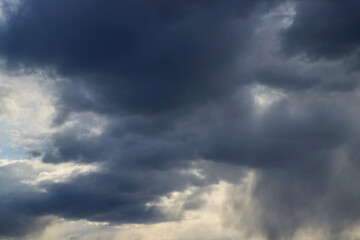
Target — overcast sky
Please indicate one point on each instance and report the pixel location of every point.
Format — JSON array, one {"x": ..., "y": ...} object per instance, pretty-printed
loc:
[{"x": 179, "y": 119}]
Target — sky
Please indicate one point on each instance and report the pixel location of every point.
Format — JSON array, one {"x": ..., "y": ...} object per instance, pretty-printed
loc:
[{"x": 179, "y": 120}]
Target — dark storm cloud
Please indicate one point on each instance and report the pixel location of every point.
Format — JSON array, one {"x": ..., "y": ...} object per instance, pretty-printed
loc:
[
  {"x": 285, "y": 78},
  {"x": 227, "y": 132},
  {"x": 15, "y": 220},
  {"x": 323, "y": 29},
  {"x": 324, "y": 196},
  {"x": 292, "y": 144},
  {"x": 152, "y": 59},
  {"x": 172, "y": 84},
  {"x": 115, "y": 196},
  {"x": 143, "y": 56}
]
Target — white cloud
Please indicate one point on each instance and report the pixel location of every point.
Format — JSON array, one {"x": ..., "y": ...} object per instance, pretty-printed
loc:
[
  {"x": 34, "y": 172},
  {"x": 27, "y": 109}
]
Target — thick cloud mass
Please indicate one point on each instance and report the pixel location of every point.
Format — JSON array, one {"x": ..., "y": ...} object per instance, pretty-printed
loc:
[
  {"x": 151, "y": 90},
  {"x": 324, "y": 29},
  {"x": 127, "y": 49}
]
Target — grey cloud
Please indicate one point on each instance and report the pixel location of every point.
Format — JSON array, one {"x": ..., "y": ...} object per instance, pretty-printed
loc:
[
  {"x": 323, "y": 29},
  {"x": 16, "y": 220},
  {"x": 172, "y": 82},
  {"x": 143, "y": 56}
]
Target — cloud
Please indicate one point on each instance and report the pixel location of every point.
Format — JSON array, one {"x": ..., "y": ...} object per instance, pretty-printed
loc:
[
  {"x": 332, "y": 36},
  {"x": 21, "y": 190},
  {"x": 118, "y": 51},
  {"x": 166, "y": 96}
]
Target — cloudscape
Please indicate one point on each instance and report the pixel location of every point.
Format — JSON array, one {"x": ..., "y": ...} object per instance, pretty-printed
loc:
[{"x": 179, "y": 120}]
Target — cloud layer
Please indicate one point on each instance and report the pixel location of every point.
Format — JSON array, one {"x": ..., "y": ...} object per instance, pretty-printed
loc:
[{"x": 162, "y": 96}]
